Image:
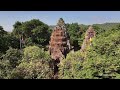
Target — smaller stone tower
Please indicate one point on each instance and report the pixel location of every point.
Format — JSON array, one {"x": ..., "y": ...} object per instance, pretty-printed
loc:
[{"x": 90, "y": 33}]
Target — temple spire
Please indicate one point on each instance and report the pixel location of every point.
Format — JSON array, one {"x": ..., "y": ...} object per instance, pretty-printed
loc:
[
  {"x": 61, "y": 22},
  {"x": 90, "y": 27},
  {"x": 90, "y": 33},
  {"x": 58, "y": 47}
]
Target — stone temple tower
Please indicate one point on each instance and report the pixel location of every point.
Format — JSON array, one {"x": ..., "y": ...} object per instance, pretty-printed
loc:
[
  {"x": 90, "y": 33},
  {"x": 59, "y": 44}
]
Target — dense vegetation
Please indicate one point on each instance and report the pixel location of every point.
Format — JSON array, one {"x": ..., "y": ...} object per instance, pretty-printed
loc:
[
  {"x": 101, "y": 60},
  {"x": 24, "y": 53}
]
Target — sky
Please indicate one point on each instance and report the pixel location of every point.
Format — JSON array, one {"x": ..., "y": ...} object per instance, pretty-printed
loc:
[{"x": 8, "y": 18}]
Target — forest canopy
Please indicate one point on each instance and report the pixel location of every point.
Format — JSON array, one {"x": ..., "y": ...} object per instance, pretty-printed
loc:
[{"x": 24, "y": 52}]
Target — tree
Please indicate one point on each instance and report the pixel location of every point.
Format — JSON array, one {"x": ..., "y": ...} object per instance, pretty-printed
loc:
[
  {"x": 98, "y": 30},
  {"x": 7, "y": 41},
  {"x": 2, "y": 31},
  {"x": 13, "y": 41},
  {"x": 41, "y": 35},
  {"x": 74, "y": 32},
  {"x": 32, "y": 52},
  {"x": 13, "y": 56},
  {"x": 70, "y": 67},
  {"x": 35, "y": 65},
  {"x": 5, "y": 69},
  {"x": 9, "y": 61},
  {"x": 102, "y": 59},
  {"x": 3, "y": 44},
  {"x": 3, "y": 40},
  {"x": 34, "y": 30},
  {"x": 17, "y": 31},
  {"x": 32, "y": 70}
]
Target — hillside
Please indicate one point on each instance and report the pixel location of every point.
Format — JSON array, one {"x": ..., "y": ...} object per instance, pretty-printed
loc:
[
  {"x": 107, "y": 25},
  {"x": 102, "y": 26},
  {"x": 51, "y": 26}
]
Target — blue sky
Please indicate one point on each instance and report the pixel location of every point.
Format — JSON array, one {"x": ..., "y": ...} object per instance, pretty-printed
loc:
[{"x": 8, "y": 18}]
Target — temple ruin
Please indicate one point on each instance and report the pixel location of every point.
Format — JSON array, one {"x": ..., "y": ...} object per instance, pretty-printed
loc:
[
  {"x": 90, "y": 33},
  {"x": 59, "y": 44}
]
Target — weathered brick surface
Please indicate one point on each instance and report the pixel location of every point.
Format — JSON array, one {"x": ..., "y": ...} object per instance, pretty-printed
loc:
[
  {"x": 90, "y": 33},
  {"x": 58, "y": 44}
]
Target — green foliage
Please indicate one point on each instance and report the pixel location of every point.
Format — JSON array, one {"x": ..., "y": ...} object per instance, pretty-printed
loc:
[
  {"x": 15, "y": 65},
  {"x": 4, "y": 40},
  {"x": 12, "y": 41},
  {"x": 107, "y": 26},
  {"x": 3, "y": 44},
  {"x": 41, "y": 35},
  {"x": 17, "y": 31},
  {"x": 2, "y": 31},
  {"x": 69, "y": 67},
  {"x": 7, "y": 40},
  {"x": 32, "y": 70},
  {"x": 35, "y": 65},
  {"x": 33, "y": 32},
  {"x": 98, "y": 30},
  {"x": 34, "y": 52},
  {"x": 13, "y": 56},
  {"x": 9, "y": 61},
  {"x": 5, "y": 69},
  {"x": 83, "y": 29},
  {"x": 28, "y": 26},
  {"x": 101, "y": 60},
  {"x": 29, "y": 42},
  {"x": 74, "y": 33},
  {"x": 107, "y": 54}
]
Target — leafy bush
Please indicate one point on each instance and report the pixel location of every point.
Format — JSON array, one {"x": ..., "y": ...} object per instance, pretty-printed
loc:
[
  {"x": 34, "y": 52},
  {"x": 13, "y": 56},
  {"x": 69, "y": 67},
  {"x": 32, "y": 70},
  {"x": 5, "y": 69},
  {"x": 35, "y": 65}
]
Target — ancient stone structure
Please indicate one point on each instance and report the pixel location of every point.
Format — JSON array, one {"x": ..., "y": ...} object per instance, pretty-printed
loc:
[
  {"x": 59, "y": 44},
  {"x": 90, "y": 33}
]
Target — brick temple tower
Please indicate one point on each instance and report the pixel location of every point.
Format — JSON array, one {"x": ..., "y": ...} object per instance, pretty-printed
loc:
[
  {"x": 59, "y": 44},
  {"x": 90, "y": 33}
]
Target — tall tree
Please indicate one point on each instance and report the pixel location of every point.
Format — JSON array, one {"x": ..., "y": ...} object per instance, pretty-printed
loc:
[
  {"x": 33, "y": 31},
  {"x": 74, "y": 32},
  {"x": 17, "y": 31},
  {"x": 2, "y": 31},
  {"x": 3, "y": 40}
]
